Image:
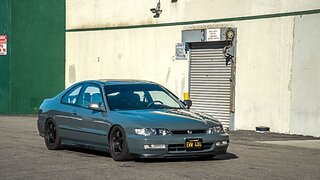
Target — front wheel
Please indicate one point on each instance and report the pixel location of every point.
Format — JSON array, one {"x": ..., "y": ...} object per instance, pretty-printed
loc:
[
  {"x": 119, "y": 150},
  {"x": 51, "y": 136}
]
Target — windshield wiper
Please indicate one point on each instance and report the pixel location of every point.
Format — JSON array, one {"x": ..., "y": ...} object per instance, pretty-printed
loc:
[{"x": 162, "y": 106}]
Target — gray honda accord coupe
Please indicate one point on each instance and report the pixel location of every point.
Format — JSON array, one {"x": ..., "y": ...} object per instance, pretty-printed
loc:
[{"x": 129, "y": 119}]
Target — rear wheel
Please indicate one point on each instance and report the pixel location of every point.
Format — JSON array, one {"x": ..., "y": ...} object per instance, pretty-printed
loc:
[
  {"x": 51, "y": 136},
  {"x": 119, "y": 150}
]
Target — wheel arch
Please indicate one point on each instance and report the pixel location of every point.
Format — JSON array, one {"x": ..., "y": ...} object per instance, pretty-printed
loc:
[
  {"x": 109, "y": 133},
  {"x": 123, "y": 153},
  {"x": 47, "y": 119}
]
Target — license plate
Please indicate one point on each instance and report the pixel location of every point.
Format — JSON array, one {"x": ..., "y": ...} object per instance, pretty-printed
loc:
[{"x": 193, "y": 144}]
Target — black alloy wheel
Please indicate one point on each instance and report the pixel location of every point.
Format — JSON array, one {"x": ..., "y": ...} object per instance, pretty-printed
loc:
[
  {"x": 51, "y": 136},
  {"x": 118, "y": 144}
]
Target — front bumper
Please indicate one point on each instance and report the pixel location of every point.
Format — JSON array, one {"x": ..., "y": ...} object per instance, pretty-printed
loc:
[{"x": 174, "y": 145}]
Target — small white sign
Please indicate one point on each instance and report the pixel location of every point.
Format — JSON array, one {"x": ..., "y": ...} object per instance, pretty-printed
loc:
[
  {"x": 3, "y": 45},
  {"x": 213, "y": 34},
  {"x": 181, "y": 53}
]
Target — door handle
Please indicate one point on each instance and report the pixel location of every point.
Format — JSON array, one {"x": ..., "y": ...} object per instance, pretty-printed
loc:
[{"x": 74, "y": 112}]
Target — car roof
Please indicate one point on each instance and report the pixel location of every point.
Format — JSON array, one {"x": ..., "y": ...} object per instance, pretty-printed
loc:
[{"x": 120, "y": 81}]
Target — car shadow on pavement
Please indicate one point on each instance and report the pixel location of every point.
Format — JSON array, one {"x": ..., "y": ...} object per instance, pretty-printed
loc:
[
  {"x": 85, "y": 152},
  {"x": 227, "y": 156}
]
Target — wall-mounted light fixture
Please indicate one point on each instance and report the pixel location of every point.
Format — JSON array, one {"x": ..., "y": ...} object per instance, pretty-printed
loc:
[{"x": 156, "y": 11}]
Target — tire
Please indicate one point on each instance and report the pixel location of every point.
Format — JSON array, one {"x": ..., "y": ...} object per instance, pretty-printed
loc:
[
  {"x": 118, "y": 146},
  {"x": 51, "y": 135}
]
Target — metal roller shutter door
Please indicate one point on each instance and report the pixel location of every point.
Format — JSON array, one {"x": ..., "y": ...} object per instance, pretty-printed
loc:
[{"x": 210, "y": 81}]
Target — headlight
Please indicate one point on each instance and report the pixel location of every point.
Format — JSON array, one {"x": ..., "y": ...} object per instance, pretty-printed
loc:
[
  {"x": 152, "y": 131},
  {"x": 216, "y": 129}
]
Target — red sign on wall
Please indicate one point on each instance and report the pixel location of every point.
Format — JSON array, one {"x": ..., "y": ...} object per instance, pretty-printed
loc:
[{"x": 3, "y": 45}]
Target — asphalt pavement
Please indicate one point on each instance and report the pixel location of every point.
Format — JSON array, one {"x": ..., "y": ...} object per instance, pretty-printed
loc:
[{"x": 251, "y": 155}]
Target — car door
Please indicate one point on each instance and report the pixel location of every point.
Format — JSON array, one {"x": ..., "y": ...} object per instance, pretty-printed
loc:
[
  {"x": 94, "y": 125},
  {"x": 66, "y": 117}
]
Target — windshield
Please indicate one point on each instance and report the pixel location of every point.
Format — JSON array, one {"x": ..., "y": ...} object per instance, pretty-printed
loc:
[{"x": 140, "y": 96}]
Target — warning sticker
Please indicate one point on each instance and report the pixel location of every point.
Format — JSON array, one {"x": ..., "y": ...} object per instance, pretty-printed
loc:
[
  {"x": 213, "y": 34},
  {"x": 3, "y": 45}
]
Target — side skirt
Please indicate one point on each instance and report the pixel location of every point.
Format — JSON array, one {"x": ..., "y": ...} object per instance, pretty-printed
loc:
[{"x": 85, "y": 145}]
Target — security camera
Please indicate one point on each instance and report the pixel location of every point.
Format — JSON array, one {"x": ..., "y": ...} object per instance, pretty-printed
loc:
[
  {"x": 157, "y": 11},
  {"x": 156, "y": 15},
  {"x": 153, "y": 10}
]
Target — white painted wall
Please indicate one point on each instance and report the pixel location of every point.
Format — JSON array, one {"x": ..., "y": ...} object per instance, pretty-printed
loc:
[
  {"x": 264, "y": 52},
  {"x": 107, "y": 13},
  {"x": 263, "y": 68},
  {"x": 305, "y": 83},
  {"x": 274, "y": 76},
  {"x": 126, "y": 54}
]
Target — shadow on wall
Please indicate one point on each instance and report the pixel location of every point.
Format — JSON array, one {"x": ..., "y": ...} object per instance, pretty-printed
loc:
[{"x": 72, "y": 74}]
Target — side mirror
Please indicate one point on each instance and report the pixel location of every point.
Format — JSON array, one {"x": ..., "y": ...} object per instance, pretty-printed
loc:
[
  {"x": 96, "y": 107},
  {"x": 188, "y": 103}
]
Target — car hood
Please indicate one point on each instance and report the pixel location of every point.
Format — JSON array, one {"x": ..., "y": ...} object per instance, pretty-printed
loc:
[{"x": 172, "y": 119}]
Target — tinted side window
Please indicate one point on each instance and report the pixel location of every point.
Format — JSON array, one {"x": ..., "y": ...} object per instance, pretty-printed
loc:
[
  {"x": 72, "y": 96},
  {"x": 91, "y": 94}
]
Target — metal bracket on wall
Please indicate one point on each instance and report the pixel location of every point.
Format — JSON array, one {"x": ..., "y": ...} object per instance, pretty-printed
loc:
[
  {"x": 228, "y": 53},
  {"x": 228, "y": 50}
]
